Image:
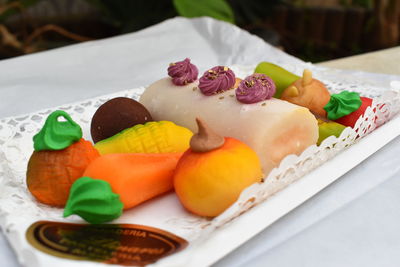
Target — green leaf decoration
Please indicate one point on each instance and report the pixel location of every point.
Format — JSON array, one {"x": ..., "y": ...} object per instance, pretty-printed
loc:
[
  {"x": 93, "y": 200},
  {"x": 342, "y": 104},
  {"x": 218, "y": 9},
  {"x": 55, "y": 134}
]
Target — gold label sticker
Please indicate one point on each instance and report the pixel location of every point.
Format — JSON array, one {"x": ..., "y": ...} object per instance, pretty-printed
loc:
[{"x": 124, "y": 244}]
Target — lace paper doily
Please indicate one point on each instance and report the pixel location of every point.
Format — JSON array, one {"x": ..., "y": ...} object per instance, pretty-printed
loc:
[{"x": 16, "y": 147}]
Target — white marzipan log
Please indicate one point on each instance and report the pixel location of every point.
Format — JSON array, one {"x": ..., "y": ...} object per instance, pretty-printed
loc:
[{"x": 273, "y": 128}]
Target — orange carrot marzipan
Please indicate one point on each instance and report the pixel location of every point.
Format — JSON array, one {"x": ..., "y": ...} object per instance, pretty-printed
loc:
[{"x": 136, "y": 177}]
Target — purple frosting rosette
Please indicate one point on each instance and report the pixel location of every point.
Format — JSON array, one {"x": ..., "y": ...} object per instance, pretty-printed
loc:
[
  {"x": 183, "y": 72},
  {"x": 255, "y": 88},
  {"x": 217, "y": 80}
]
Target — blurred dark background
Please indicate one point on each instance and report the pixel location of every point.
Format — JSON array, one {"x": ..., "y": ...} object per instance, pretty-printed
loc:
[{"x": 314, "y": 30}]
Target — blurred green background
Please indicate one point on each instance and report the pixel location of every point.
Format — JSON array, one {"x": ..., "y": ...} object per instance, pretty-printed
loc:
[{"x": 314, "y": 30}]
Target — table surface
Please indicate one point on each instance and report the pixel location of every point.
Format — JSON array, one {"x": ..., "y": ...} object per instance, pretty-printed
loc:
[
  {"x": 383, "y": 61},
  {"x": 361, "y": 229}
]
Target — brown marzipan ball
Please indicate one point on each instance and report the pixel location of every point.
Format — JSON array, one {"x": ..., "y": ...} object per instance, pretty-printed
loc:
[{"x": 116, "y": 115}]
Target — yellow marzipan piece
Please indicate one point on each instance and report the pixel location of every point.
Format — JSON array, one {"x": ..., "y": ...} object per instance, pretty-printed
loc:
[{"x": 151, "y": 137}]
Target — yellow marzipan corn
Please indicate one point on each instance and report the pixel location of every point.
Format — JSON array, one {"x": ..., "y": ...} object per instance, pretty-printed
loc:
[{"x": 151, "y": 137}]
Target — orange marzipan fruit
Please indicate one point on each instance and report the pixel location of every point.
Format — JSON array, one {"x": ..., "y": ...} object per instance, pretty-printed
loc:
[{"x": 51, "y": 173}]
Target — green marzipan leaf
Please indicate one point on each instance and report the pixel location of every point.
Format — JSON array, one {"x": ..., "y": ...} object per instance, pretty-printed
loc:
[{"x": 218, "y": 9}]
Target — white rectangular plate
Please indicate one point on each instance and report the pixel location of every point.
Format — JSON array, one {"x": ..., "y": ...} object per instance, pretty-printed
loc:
[{"x": 209, "y": 240}]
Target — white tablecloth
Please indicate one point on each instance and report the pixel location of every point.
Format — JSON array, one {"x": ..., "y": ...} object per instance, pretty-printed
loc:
[{"x": 353, "y": 222}]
